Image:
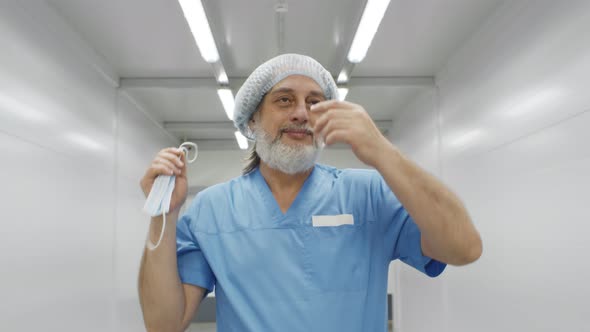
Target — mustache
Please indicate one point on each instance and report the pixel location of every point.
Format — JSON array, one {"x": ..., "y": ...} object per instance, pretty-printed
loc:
[{"x": 307, "y": 129}]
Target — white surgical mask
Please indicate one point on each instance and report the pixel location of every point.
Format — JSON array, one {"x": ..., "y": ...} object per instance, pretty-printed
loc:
[{"x": 158, "y": 201}]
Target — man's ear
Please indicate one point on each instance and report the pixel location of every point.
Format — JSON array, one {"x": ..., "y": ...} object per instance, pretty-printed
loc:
[
  {"x": 252, "y": 121},
  {"x": 251, "y": 124}
]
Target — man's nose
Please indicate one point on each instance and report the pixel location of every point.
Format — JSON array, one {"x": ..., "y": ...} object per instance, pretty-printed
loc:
[{"x": 300, "y": 113}]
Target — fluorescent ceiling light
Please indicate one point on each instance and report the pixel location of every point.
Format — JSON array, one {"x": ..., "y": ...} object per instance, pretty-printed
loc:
[
  {"x": 242, "y": 141},
  {"x": 342, "y": 92},
  {"x": 227, "y": 99},
  {"x": 197, "y": 21},
  {"x": 372, "y": 16},
  {"x": 222, "y": 77},
  {"x": 343, "y": 77}
]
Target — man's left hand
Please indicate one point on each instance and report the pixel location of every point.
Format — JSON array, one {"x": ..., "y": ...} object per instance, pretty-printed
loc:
[{"x": 341, "y": 121}]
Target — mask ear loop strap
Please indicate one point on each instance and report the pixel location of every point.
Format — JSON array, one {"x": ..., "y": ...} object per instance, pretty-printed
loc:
[
  {"x": 148, "y": 243},
  {"x": 184, "y": 145}
]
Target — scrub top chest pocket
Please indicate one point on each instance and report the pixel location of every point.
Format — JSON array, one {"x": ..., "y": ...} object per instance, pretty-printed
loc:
[{"x": 339, "y": 253}]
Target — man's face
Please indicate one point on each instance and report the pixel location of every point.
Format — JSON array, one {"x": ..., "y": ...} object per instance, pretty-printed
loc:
[
  {"x": 284, "y": 111},
  {"x": 283, "y": 125}
]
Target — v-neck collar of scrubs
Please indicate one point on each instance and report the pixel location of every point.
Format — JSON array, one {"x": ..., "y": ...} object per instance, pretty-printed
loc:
[{"x": 302, "y": 198}]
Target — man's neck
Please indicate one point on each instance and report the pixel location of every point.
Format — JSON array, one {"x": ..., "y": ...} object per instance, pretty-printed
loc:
[{"x": 282, "y": 183}]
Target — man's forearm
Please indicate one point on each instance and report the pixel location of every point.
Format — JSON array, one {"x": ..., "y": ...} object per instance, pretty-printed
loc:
[
  {"x": 448, "y": 234},
  {"x": 160, "y": 290}
]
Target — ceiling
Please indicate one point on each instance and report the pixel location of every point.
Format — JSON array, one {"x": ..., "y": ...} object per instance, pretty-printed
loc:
[{"x": 150, "y": 39}]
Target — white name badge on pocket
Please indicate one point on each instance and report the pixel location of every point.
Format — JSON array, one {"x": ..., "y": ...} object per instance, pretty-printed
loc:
[{"x": 331, "y": 221}]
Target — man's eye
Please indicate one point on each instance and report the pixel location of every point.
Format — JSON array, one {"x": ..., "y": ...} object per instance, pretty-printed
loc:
[
  {"x": 313, "y": 102},
  {"x": 284, "y": 100}
]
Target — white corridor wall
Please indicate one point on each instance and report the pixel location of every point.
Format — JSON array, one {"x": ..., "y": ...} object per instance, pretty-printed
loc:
[
  {"x": 72, "y": 151},
  {"x": 509, "y": 131}
]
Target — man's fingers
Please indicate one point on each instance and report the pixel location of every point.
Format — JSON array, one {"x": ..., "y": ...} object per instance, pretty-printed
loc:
[
  {"x": 159, "y": 169},
  {"x": 168, "y": 161},
  {"x": 175, "y": 151},
  {"x": 320, "y": 124},
  {"x": 326, "y": 105},
  {"x": 176, "y": 159},
  {"x": 338, "y": 135},
  {"x": 333, "y": 115},
  {"x": 334, "y": 124},
  {"x": 324, "y": 119},
  {"x": 168, "y": 165}
]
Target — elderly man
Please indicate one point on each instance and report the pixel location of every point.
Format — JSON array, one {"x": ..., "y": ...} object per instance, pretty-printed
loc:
[{"x": 292, "y": 245}]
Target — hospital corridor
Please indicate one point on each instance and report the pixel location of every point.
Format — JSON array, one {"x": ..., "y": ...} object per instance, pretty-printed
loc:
[{"x": 295, "y": 165}]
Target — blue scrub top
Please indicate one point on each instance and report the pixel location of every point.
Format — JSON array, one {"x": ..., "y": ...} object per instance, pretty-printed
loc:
[{"x": 275, "y": 271}]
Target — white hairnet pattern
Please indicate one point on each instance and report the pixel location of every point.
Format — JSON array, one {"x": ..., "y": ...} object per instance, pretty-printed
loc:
[{"x": 272, "y": 72}]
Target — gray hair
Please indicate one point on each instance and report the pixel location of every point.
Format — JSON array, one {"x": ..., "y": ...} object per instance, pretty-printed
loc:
[{"x": 252, "y": 161}]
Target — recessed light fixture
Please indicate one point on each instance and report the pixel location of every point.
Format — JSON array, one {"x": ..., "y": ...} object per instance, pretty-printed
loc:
[
  {"x": 343, "y": 77},
  {"x": 227, "y": 100},
  {"x": 372, "y": 16},
  {"x": 197, "y": 21}
]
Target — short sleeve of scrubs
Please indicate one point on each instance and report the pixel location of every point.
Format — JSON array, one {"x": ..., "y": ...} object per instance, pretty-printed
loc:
[
  {"x": 193, "y": 267},
  {"x": 402, "y": 236}
]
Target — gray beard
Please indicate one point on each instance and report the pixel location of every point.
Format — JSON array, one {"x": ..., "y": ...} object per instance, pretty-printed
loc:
[{"x": 289, "y": 159}]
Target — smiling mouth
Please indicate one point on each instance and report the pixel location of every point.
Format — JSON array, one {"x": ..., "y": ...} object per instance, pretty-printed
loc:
[{"x": 297, "y": 133}]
